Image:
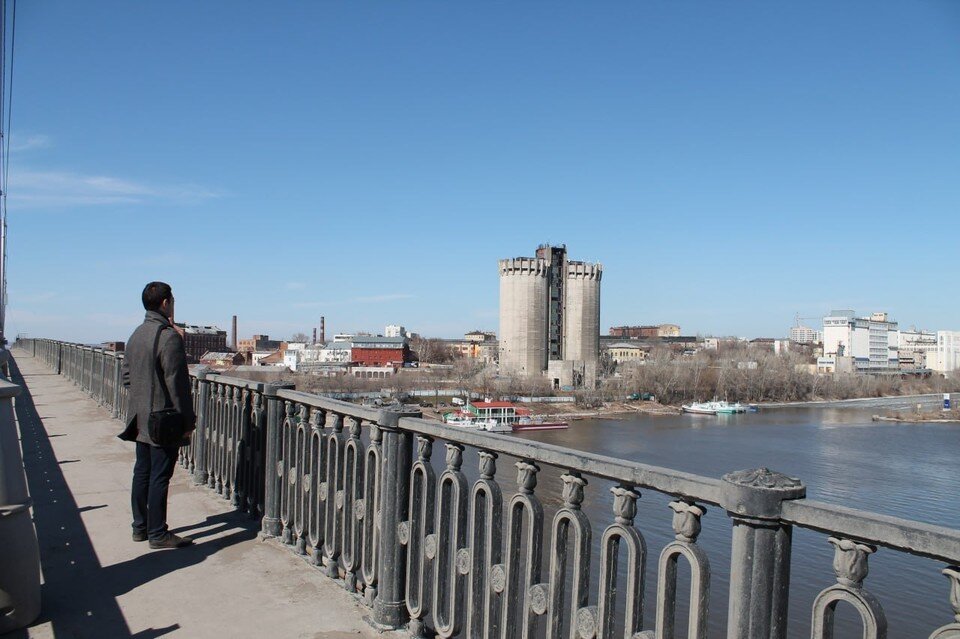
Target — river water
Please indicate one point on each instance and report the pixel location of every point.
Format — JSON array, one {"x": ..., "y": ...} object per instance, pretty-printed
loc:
[{"x": 905, "y": 470}]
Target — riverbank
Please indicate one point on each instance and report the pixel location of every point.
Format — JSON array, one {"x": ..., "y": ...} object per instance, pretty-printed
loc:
[
  {"x": 827, "y": 403},
  {"x": 916, "y": 419}
]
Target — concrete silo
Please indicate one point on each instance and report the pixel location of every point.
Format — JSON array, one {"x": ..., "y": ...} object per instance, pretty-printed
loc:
[
  {"x": 523, "y": 315},
  {"x": 581, "y": 312}
]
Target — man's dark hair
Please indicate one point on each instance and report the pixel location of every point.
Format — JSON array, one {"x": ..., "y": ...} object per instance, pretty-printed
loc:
[{"x": 154, "y": 293}]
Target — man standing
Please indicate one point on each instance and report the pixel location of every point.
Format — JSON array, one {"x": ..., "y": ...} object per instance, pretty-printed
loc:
[{"x": 155, "y": 359}]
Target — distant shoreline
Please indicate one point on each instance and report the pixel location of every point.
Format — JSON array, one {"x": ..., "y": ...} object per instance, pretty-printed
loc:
[{"x": 854, "y": 401}]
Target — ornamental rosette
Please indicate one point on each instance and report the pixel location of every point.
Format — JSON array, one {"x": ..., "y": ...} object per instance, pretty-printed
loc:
[{"x": 762, "y": 478}]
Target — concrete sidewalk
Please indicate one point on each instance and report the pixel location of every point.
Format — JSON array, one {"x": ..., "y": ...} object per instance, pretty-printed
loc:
[{"x": 100, "y": 584}]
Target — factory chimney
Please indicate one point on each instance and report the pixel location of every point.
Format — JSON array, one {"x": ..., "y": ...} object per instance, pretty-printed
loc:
[
  {"x": 234, "y": 336},
  {"x": 323, "y": 332},
  {"x": 314, "y": 343}
]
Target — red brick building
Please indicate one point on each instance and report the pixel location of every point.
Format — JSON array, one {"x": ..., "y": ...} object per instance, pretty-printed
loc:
[
  {"x": 380, "y": 351},
  {"x": 198, "y": 340}
]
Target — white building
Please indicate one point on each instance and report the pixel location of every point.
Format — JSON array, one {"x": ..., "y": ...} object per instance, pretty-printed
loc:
[
  {"x": 946, "y": 359},
  {"x": 336, "y": 352},
  {"x": 291, "y": 358},
  {"x": 915, "y": 348},
  {"x": 872, "y": 341},
  {"x": 395, "y": 330},
  {"x": 805, "y": 335}
]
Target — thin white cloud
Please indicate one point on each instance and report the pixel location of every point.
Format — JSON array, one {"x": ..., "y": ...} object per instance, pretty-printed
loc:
[
  {"x": 30, "y": 143},
  {"x": 38, "y": 189}
]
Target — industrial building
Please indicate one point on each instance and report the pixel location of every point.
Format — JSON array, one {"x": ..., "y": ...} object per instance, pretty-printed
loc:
[
  {"x": 198, "y": 340},
  {"x": 550, "y": 316},
  {"x": 872, "y": 342}
]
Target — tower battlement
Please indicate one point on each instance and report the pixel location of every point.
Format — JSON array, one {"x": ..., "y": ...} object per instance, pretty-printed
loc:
[
  {"x": 584, "y": 270},
  {"x": 523, "y": 266}
]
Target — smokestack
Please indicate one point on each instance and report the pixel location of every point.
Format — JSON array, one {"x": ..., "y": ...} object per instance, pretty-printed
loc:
[
  {"x": 314, "y": 336},
  {"x": 323, "y": 330},
  {"x": 234, "y": 332}
]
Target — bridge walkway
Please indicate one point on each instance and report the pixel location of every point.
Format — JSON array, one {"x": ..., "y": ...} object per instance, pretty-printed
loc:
[{"x": 99, "y": 583}]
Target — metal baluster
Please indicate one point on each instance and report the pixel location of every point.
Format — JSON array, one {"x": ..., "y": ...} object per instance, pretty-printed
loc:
[
  {"x": 486, "y": 506},
  {"x": 348, "y": 498},
  {"x": 561, "y": 621},
  {"x": 850, "y": 566},
  {"x": 951, "y": 630},
  {"x": 416, "y": 533},
  {"x": 287, "y": 470},
  {"x": 450, "y": 536},
  {"x": 244, "y": 461},
  {"x": 230, "y": 448},
  {"x": 318, "y": 496},
  {"x": 599, "y": 621},
  {"x": 302, "y": 485},
  {"x": 332, "y": 488},
  {"x": 256, "y": 497},
  {"x": 519, "y": 620},
  {"x": 368, "y": 511},
  {"x": 686, "y": 526}
]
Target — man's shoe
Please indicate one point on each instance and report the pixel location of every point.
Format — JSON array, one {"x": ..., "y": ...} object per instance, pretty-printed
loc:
[
  {"x": 139, "y": 536},
  {"x": 170, "y": 541}
]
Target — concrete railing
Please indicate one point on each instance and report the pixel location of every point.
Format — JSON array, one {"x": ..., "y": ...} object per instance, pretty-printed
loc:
[
  {"x": 19, "y": 551},
  {"x": 445, "y": 550}
]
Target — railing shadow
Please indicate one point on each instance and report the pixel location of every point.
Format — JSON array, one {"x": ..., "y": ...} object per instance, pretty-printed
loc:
[{"x": 79, "y": 595}]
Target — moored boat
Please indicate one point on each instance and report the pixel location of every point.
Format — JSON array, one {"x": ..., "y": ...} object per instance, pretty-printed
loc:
[
  {"x": 539, "y": 422},
  {"x": 700, "y": 408},
  {"x": 714, "y": 408}
]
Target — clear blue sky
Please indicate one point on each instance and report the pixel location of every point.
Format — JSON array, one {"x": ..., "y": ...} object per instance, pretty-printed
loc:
[{"x": 730, "y": 164}]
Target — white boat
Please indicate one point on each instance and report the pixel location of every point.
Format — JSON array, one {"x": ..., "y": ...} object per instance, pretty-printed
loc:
[
  {"x": 468, "y": 421},
  {"x": 723, "y": 408},
  {"x": 714, "y": 408},
  {"x": 700, "y": 408},
  {"x": 539, "y": 422}
]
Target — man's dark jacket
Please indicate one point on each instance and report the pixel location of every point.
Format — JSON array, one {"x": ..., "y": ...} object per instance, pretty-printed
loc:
[{"x": 169, "y": 370}]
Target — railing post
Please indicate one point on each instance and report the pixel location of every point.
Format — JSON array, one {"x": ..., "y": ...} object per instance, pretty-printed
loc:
[
  {"x": 200, "y": 475},
  {"x": 390, "y": 608},
  {"x": 270, "y": 526},
  {"x": 117, "y": 383},
  {"x": 760, "y": 557},
  {"x": 59, "y": 358}
]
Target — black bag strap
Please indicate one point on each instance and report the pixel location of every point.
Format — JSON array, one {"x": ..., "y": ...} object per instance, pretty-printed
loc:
[{"x": 153, "y": 364}]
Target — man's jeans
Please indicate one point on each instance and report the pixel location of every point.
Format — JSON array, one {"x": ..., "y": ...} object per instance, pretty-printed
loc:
[{"x": 151, "y": 479}]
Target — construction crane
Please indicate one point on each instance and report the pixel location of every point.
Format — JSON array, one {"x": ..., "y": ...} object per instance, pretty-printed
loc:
[{"x": 799, "y": 319}]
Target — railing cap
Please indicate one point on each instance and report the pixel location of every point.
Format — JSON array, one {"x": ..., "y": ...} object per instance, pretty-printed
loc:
[
  {"x": 390, "y": 419},
  {"x": 271, "y": 390},
  {"x": 759, "y": 492}
]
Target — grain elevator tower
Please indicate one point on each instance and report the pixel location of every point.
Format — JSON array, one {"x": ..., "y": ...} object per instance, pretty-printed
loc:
[{"x": 550, "y": 316}]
